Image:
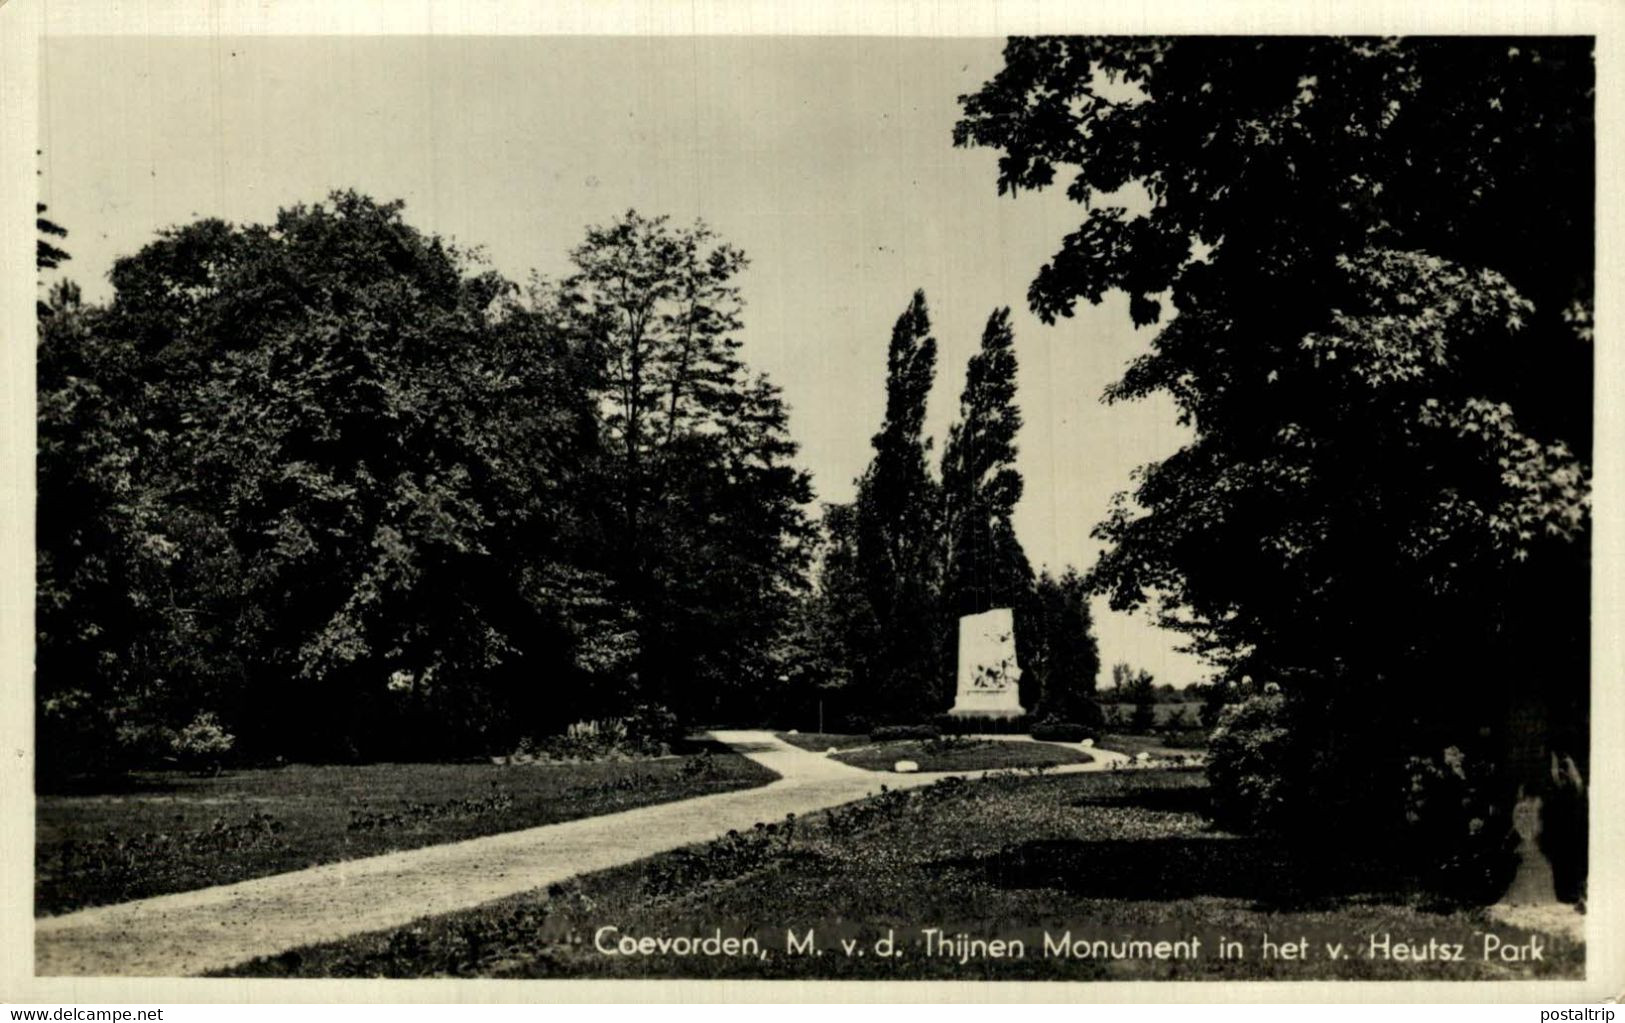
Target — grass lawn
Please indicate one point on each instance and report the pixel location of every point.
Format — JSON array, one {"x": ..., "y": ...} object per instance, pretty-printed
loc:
[
  {"x": 1156, "y": 745},
  {"x": 984, "y": 754},
  {"x": 1109, "y": 856},
  {"x": 968, "y": 755},
  {"x": 171, "y": 832},
  {"x": 818, "y": 742}
]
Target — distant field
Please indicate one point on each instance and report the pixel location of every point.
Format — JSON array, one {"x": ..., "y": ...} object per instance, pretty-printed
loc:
[
  {"x": 1164, "y": 711},
  {"x": 171, "y": 832}
]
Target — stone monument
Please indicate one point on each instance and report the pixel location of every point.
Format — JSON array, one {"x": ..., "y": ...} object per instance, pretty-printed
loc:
[{"x": 988, "y": 672}]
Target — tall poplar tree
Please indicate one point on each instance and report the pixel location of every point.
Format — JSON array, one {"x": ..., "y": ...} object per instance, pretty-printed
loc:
[
  {"x": 897, "y": 520},
  {"x": 984, "y": 565}
]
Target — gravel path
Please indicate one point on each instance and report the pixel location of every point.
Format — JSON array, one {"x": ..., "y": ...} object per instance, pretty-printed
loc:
[{"x": 194, "y": 932}]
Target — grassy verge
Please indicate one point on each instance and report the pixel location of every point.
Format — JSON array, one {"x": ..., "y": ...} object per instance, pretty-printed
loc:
[
  {"x": 1110, "y": 856},
  {"x": 972, "y": 755},
  {"x": 818, "y": 742},
  {"x": 170, "y": 832},
  {"x": 1156, "y": 745},
  {"x": 964, "y": 755}
]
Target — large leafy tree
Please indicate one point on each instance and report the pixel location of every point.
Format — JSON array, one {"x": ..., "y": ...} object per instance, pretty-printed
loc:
[
  {"x": 1062, "y": 654},
  {"x": 1377, "y": 257},
  {"x": 699, "y": 509},
  {"x": 837, "y": 631},
  {"x": 315, "y": 476}
]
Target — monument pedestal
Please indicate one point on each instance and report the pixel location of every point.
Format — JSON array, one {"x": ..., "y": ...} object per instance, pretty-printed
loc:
[
  {"x": 997, "y": 710},
  {"x": 989, "y": 677}
]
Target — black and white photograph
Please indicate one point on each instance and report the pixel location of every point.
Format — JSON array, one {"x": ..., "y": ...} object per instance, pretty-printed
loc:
[{"x": 1007, "y": 507}]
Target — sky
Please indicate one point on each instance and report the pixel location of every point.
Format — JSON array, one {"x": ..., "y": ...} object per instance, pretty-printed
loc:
[{"x": 829, "y": 161}]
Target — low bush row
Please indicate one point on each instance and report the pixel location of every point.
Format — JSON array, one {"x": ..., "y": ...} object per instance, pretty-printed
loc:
[
  {"x": 1049, "y": 729},
  {"x": 895, "y": 733},
  {"x": 649, "y": 730},
  {"x": 948, "y": 724},
  {"x": 1061, "y": 731}
]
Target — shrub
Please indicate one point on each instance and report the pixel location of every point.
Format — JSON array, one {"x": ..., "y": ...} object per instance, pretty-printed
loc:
[
  {"x": 1052, "y": 730},
  {"x": 951, "y": 744},
  {"x": 1089, "y": 714},
  {"x": 702, "y": 767},
  {"x": 1459, "y": 814},
  {"x": 949, "y": 724},
  {"x": 1179, "y": 721},
  {"x": 1144, "y": 719},
  {"x": 202, "y": 745},
  {"x": 1563, "y": 831},
  {"x": 648, "y": 731},
  {"x": 889, "y": 733},
  {"x": 850, "y": 724},
  {"x": 1215, "y": 697},
  {"x": 652, "y": 729},
  {"x": 1247, "y": 767},
  {"x": 584, "y": 740},
  {"x": 1189, "y": 738},
  {"x": 145, "y": 744}
]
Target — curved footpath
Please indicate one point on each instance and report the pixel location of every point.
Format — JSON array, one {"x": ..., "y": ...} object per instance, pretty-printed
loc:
[{"x": 188, "y": 933}]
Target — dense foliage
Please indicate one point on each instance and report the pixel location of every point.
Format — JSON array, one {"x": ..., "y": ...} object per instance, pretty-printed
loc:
[
  {"x": 1058, "y": 648},
  {"x": 1377, "y": 255},
  {"x": 896, "y": 540},
  {"x": 698, "y": 510},
  {"x": 983, "y": 564},
  {"x": 332, "y": 482}
]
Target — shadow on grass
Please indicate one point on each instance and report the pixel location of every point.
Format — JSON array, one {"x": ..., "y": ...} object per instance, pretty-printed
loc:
[
  {"x": 138, "y": 783},
  {"x": 1261, "y": 871},
  {"x": 693, "y": 744},
  {"x": 1193, "y": 799}
]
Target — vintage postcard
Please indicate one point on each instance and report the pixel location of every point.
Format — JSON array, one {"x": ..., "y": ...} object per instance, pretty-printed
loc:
[{"x": 982, "y": 505}]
